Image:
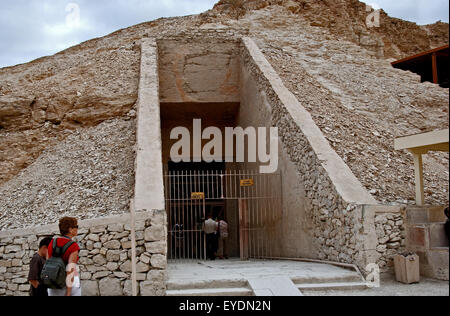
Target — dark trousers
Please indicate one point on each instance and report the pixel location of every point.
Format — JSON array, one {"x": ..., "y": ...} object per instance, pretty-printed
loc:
[
  {"x": 40, "y": 291},
  {"x": 211, "y": 245}
]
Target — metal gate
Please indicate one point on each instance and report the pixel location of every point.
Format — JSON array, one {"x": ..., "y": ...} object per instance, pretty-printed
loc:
[{"x": 191, "y": 195}]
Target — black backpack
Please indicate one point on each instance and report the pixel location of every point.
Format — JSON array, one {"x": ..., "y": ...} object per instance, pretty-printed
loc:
[{"x": 53, "y": 274}]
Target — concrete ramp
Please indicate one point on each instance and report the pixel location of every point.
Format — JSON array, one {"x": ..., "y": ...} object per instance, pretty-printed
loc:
[
  {"x": 274, "y": 286},
  {"x": 257, "y": 278}
]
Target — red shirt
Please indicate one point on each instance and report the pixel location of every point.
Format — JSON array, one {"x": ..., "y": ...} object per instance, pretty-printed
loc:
[{"x": 60, "y": 242}]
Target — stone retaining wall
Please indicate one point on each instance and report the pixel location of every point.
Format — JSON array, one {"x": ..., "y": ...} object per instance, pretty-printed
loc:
[
  {"x": 334, "y": 197},
  {"x": 391, "y": 236},
  {"x": 105, "y": 255}
]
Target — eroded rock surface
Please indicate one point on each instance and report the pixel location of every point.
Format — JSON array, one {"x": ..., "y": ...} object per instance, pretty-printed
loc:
[{"x": 337, "y": 67}]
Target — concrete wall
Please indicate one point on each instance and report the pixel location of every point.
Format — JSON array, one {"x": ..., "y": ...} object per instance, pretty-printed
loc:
[
  {"x": 105, "y": 256},
  {"x": 149, "y": 188},
  {"x": 293, "y": 233}
]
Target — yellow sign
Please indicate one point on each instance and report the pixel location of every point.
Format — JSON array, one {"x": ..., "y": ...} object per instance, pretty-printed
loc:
[
  {"x": 197, "y": 195},
  {"x": 247, "y": 183}
]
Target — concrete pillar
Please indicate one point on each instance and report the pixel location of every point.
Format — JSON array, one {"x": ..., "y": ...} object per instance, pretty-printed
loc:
[{"x": 418, "y": 169}]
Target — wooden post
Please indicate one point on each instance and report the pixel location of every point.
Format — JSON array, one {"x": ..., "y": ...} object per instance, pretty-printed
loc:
[
  {"x": 418, "y": 169},
  {"x": 243, "y": 229},
  {"x": 435, "y": 70}
]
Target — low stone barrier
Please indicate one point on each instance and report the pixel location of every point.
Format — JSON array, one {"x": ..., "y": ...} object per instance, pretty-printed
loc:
[
  {"x": 391, "y": 235},
  {"x": 105, "y": 255}
]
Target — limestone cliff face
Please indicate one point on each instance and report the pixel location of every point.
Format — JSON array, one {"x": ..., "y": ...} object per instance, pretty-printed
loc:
[
  {"x": 348, "y": 19},
  {"x": 326, "y": 41}
]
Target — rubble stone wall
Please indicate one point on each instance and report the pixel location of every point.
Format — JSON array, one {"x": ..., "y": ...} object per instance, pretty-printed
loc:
[
  {"x": 390, "y": 228},
  {"x": 105, "y": 256},
  {"x": 333, "y": 196}
]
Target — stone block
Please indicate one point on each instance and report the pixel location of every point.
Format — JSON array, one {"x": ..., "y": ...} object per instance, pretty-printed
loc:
[
  {"x": 20, "y": 280},
  {"x": 144, "y": 258},
  {"x": 149, "y": 288},
  {"x": 142, "y": 267},
  {"x": 113, "y": 255},
  {"x": 112, "y": 266},
  {"x": 83, "y": 253},
  {"x": 121, "y": 235},
  {"x": 417, "y": 237},
  {"x": 158, "y": 247},
  {"x": 24, "y": 288},
  {"x": 110, "y": 287},
  {"x": 126, "y": 267},
  {"x": 158, "y": 276},
  {"x": 5, "y": 263},
  {"x": 112, "y": 244},
  {"x": 141, "y": 276},
  {"x": 154, "y": 233},
  {"x": 126, "y": 245},
  {"x": 100, "y": 260},
  {"x": 89, "y": 288},
  {"x": 98, "y": 229},
  {"x": 159, "y": 261},
  {"x": 93, "y": 237},
  {"x": 139, "y": 235},
  {"x": 116, "y": 228},
  {"x": 439, "y": 261},
  {"x": 101, "y": 274},
  {"x": 12, "y": 248},
  {"x": 120, "y": 275},
  {"x": 13, "y": 286},
  {"x": 127, "y": 290}
]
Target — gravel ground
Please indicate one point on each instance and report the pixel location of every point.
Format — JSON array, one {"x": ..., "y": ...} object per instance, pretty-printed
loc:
[
  {"x": 90, "y": 174},
  {"x": 390, "y": 287}
]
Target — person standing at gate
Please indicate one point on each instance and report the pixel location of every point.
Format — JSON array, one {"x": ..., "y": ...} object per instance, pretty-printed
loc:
[
  {"x": 210, "y": 228},
  {"x": 223, "y": 238}
]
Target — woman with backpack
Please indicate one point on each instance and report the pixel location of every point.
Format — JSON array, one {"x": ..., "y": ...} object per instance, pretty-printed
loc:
[{"x": 60, "y": 273}]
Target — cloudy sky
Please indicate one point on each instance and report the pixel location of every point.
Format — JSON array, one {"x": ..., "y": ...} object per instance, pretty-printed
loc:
[{"x": 30, "y": 29}]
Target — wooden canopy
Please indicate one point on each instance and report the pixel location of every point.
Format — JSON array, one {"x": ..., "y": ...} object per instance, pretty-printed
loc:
[
  {"x": 421, "y": 144},
  {"x": 431, "y": 65}
]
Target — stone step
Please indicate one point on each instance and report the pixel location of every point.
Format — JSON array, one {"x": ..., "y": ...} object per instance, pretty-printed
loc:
[
  {"x": 274, "y": 286},
  {"x": 332, "y": 286},
  {"x": 188, "y": 284},
  {"x": 211, "y": 292},
  {"x": 354, "y": 277}
]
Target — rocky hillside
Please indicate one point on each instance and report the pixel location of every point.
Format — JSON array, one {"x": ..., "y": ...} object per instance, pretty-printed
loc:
[
  {"x": 322, "y": 51},
  {"x": 347, "y": 19}
]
